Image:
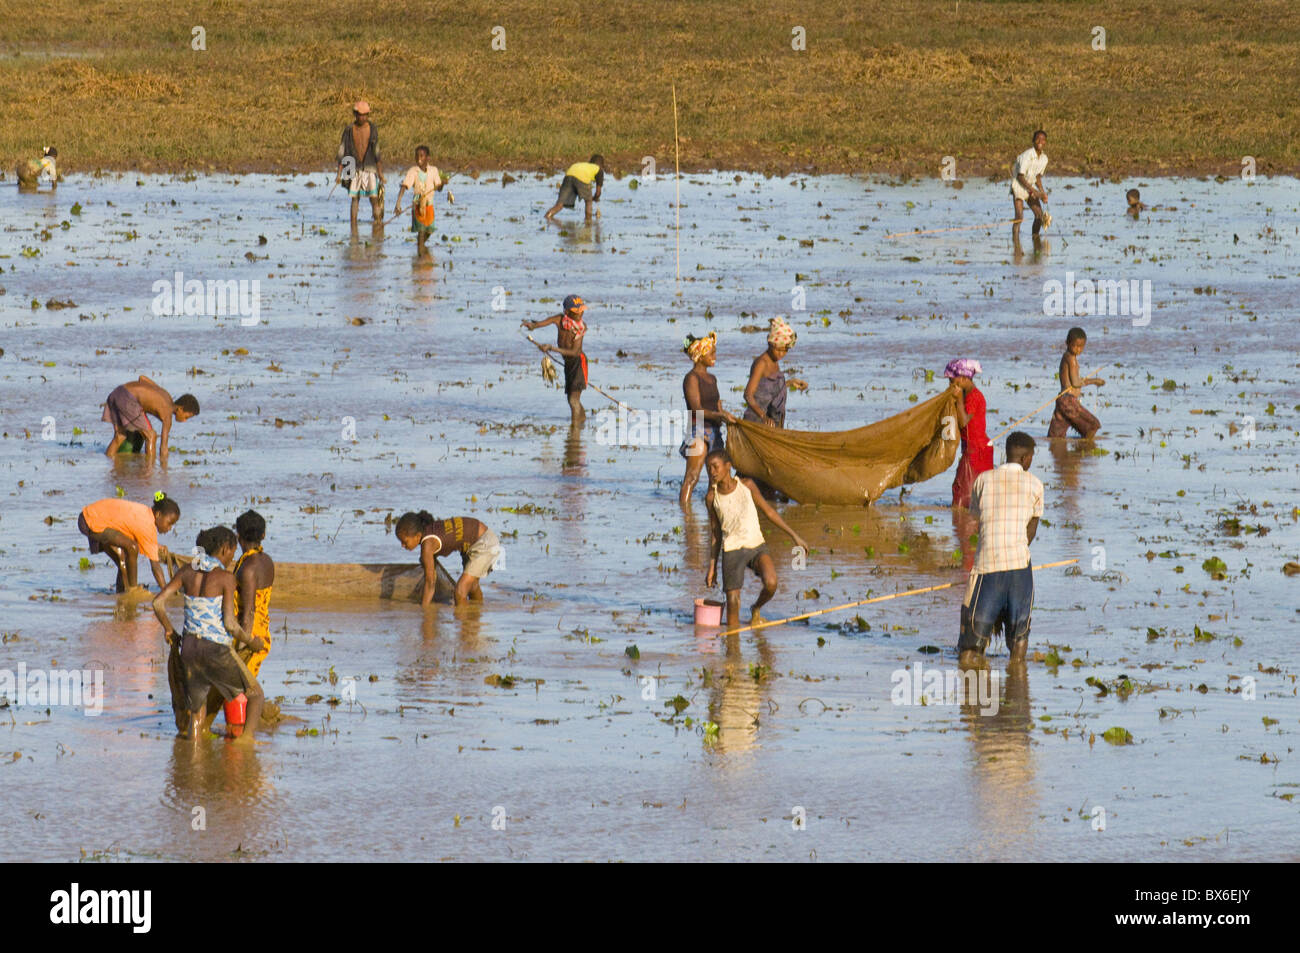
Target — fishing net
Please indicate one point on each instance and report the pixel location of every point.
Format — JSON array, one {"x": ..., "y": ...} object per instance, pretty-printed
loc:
[
  {"x": 850, "y": 466},
  {"x": 28, "y": 172}
]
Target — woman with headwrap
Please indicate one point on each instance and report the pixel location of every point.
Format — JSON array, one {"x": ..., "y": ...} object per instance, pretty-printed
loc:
[
  {"x": 700, "y": 389},
  {"x": 976, "y": 454},
  {"x": 765, "y": 392}
]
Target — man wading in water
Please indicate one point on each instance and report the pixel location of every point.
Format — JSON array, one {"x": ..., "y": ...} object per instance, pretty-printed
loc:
[
  {"x": 1008, "y": 502},
  {"x": 359, "y": 156}
]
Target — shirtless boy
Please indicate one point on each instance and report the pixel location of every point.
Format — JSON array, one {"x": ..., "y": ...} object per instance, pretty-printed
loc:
[
  {"x": 129, "y": 405},
  {"x": 1069, "y": 412}
]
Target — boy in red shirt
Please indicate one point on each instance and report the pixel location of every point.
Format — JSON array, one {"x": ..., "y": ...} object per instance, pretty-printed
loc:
[{"x": 976, "y": 451}]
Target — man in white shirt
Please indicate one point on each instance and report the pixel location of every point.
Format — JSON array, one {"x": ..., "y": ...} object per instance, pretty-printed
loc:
[
  {"x": 1027, "y": 184},
  {"x": 1008, "y": 502}
]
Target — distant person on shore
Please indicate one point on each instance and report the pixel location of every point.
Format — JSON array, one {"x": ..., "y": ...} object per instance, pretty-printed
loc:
[
  {"x": 358, "y": 156},
  {"x": 704, "y": 409},
  {"x": 126, "y": 531},
  {"x": 207, "y": 653},
  {"x": 735, "y": 534},
  {"x": 32, "y": 172},
  {"x": 1027, "y": 185},
  {"x": 766, "y": 391},
  {"x": 570, "y": 330},
  {"x": 976, "y": 452},
  {"x": 1135, "y": 204},
  {"x": 577, "y": 183},
  {"x": 478, "y": 546},
  {"x": 423, "y": 180},
  {"x": 1069, "y": 411},
  {"x": 1008, "y": 502},
  {"x": 127, "y": 409}
]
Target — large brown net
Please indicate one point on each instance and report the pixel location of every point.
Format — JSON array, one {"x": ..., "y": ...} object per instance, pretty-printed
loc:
[{"x": 850, "y": 466}]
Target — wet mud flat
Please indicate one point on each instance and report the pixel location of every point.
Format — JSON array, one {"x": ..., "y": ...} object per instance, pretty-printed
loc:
[{"x": 580, "y": 710}]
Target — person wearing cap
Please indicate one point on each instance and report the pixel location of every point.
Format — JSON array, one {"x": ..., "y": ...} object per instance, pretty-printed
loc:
[
  {"x": 570, "y": 329},
  {"x": 976, "y": 451},
  {"x": 577, "y": 183},
  {"x": 359, "y": 153}
]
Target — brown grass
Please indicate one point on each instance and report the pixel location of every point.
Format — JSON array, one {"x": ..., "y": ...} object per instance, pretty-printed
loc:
[{"x": 884, "y": 87}]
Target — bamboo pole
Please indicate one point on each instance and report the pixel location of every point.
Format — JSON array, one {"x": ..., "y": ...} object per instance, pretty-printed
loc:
[
  {"x": 864, "y": 602},
  {"x": 1036, "y": 410},
  {"x": 959, "y": 228},
  {"x": 615, "y": 400},
  {"x": 677, "y": 169}
]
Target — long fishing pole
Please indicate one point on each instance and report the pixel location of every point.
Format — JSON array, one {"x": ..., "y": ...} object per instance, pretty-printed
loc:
[
  {"x": 542, "y": 348},
  {"x": 959, "y": 228},
  {"x": 677, "y": 170},
  {"x": 864, "y": 602},
  {"x": 1036, "y": 410}
]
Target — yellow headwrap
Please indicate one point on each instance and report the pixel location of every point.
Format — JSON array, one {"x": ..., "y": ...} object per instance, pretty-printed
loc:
[{"x": 696, "y": 348}]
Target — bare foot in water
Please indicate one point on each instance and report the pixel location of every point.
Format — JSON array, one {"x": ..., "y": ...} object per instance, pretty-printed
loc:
[
  {"x": 971, "y": 658},
  {"x": 754, "y": 617}
]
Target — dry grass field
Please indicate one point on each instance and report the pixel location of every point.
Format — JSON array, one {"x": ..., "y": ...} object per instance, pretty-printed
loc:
[{"x": 881, "y": 87}]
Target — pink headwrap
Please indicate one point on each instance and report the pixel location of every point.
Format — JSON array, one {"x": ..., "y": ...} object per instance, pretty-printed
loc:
[
  {"x": 696, "y": 348},
  {"x": 962, "y": 367},
  {"x": 781, "y": 334}
]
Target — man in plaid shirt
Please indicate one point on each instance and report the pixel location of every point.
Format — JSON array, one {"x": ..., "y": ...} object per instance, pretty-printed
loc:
[{"x": 1008, "y": 502}]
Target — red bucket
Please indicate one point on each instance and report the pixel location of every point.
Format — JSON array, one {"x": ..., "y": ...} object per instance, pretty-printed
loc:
[{"x": 236, "y": 711}]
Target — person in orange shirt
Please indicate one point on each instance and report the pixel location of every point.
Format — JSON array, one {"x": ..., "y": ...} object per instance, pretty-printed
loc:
[{"x": 127, "y": 531}]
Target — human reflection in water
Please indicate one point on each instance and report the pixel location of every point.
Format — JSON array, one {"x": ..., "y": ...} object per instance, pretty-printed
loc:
[
  {"x": 738, "y": 692},
  {"x": 1003, "y": 768},
  {"x": 1066, "y": 461},
  {"x": 1042, "y": 248},
  {"x": 575, "y": 452},
  {"x": 965, "y": 527},
  {"x": 424, "y": 276},
  {"x": 226, "y": 781}
]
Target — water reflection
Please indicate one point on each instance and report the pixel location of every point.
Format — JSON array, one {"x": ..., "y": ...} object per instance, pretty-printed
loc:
[
  {"x": 1005, "y": 795},
  {"x": 739, "y": 692},
  {"x": 218, "y": 790}
]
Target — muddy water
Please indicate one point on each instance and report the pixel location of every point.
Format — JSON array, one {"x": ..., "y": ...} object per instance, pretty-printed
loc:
[{"x": 450, "y": 412}]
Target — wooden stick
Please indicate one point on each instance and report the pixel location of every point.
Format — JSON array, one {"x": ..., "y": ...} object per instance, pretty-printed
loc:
[
  {"x": 542, "y": 348},
  {"x": 863, "y": 602},
  {"x": 677, "y": 169},
  {"x": 1016, "y": 423},
  {"x": 959, "y": 228}
]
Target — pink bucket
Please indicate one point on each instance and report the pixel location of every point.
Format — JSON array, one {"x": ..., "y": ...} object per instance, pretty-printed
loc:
[{"x": 708, "y": 612}]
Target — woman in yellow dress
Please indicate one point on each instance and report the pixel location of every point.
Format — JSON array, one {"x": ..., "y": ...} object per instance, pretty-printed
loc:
[{"x": 254, "y": 575}]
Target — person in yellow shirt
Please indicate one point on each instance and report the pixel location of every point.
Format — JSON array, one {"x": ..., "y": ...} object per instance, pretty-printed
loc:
[{"x": 578, "y": 180}]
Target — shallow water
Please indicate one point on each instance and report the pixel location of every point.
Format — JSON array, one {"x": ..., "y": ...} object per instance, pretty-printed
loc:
[{"x": 451, "y": 414}]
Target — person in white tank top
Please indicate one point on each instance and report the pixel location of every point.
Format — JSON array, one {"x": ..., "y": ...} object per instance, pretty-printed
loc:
[{"x": 735, "y": 534}]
